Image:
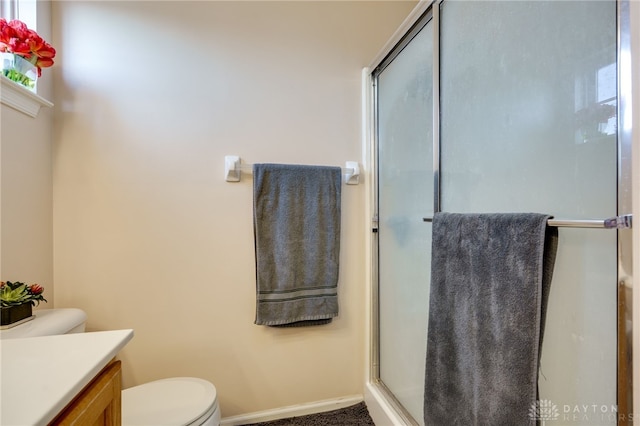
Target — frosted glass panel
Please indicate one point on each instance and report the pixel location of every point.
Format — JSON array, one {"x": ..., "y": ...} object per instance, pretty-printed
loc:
[
  {"x": 405, "y": 178},
  {"x": 528, "y": 95}
]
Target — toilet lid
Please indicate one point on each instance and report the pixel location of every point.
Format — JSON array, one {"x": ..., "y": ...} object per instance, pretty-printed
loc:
[{"x": 174, "y": 401}]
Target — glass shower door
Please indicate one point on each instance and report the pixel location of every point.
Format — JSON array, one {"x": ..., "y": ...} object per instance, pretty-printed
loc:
[
  {"x": 528, "y": 102},
  {"x": 405, "y": 195},
  {"x": 527, "y": 123}
]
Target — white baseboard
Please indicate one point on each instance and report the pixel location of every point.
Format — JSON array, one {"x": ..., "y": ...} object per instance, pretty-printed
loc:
[{"x": 292, "y": 411}]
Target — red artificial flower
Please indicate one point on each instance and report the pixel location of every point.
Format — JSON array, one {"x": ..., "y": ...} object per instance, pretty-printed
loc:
[
  {"x": 19, "y": 47},
  {"x": 45, "y": 51},
  {"x": 35, "y": 41},
  {"x": 35, "y": 289},
  {"x": 44, "y": 62},
  {"x": 20, "y": 29},
  {"x": 17, "y": 38},
  {"x": 4, "y": 34}
]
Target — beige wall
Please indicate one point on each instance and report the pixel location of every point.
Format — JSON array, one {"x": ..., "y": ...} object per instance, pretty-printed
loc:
[
  {"x": 150, "y": 97},
  {"x": 26, "y": 205},
  {"x": 26, "y": 228}
]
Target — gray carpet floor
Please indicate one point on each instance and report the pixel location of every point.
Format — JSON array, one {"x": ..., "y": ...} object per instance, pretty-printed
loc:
[{"x": 355, "y": 415}]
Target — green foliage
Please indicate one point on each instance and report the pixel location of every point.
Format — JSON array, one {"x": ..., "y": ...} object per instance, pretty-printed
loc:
[
  {"x": 17, "y": 293},
  {"x": 18, "y": 77}
]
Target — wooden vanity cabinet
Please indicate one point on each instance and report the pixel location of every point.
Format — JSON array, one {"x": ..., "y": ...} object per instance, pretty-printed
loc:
[{"x": 99, "y": 403}]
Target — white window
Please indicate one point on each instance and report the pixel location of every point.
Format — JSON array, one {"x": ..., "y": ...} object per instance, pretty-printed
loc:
[
  {"x": 24, "y": 10},
  {"x": 8, "y": 9}
]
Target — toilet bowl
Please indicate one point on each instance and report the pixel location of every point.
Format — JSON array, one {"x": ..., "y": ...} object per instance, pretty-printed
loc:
[
  {"x": 176, "y": 401},
  {"x": 173, "y": 401}
]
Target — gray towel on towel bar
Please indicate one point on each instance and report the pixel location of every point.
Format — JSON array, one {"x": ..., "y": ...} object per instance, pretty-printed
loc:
[
  {"x": 490, "y": 278},
  {"x": 296, "y": 212}
]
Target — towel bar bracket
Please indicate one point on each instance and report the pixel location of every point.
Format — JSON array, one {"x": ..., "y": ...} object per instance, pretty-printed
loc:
[
  {"x": 619, "y": 222},
  {"x": 232, "y": 168}
]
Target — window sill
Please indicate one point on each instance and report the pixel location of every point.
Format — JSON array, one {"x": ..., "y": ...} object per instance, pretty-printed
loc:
[{"x": 20, "y": 98}]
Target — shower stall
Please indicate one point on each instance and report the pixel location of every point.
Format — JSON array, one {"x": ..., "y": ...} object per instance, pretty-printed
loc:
[{"x": 508, "y": 106}]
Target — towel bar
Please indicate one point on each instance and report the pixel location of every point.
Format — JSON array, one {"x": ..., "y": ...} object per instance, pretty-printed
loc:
[
  {"x": 616, "y": 222},
  {"x": 233, "y": 169}
]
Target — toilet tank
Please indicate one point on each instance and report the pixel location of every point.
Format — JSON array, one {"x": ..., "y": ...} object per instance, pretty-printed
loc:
[{"x": 48, "y": 322}]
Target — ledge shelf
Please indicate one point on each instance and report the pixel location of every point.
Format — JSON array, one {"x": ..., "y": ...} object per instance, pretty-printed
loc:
[{"x": 20, "y": 98}]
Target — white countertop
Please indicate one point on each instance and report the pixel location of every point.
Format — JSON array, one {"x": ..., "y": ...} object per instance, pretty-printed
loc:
[{"x": 39, "y": 376}]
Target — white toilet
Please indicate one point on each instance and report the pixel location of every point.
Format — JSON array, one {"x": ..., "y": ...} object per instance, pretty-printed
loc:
[{"x": 179, "y": 401}]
